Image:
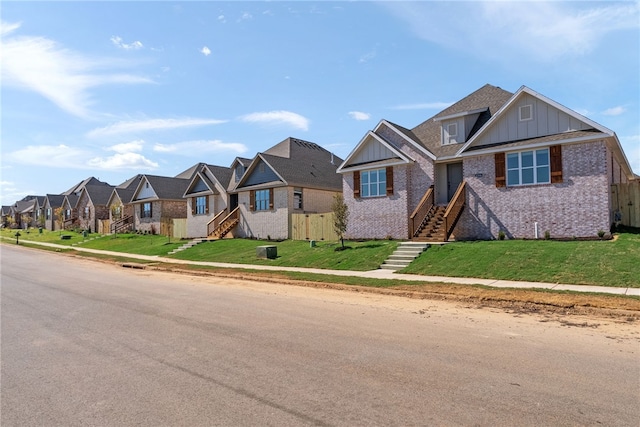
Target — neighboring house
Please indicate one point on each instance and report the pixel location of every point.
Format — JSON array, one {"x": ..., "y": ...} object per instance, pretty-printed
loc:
[
  {"x": 494, "y": 162},
  {"x": 51, "y": 203},
  {"x": 5, "y": 216},
  {"x": 25, "y": 212},
  {"x": 73, "y": 218},
  {"x": 92, "y": 206},
  {"x": 70, "y": 212},
  {"x": 121, "y": 215},
  {"x": 207, "y": 199},
  {"x": 294, "y": 176},
  {"x": 158, "y": 200}
]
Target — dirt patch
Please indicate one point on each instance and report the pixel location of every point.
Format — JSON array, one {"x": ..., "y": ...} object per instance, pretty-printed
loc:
[{"x": 522, "y": 301}]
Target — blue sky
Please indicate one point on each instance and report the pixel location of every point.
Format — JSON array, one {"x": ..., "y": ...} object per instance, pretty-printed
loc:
[{"x": 112, "y": 89}]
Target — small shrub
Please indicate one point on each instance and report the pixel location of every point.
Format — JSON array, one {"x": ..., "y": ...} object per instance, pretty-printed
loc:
[
  {"x": 501, "y": 235},
  {"x": 547, "y": 235},
  {"x": 600, "y": 234}
]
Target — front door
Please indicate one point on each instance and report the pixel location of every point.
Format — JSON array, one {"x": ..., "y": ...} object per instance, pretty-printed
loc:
[
  {"x": 454, "y": 178},
  {"x": 233, "y": 201}
]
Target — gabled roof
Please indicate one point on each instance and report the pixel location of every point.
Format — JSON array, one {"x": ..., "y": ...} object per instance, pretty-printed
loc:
[
  {"x": 485, "y": 101},
  {"x": 189, "y": 173},
  {"x": 79, "y": 186},
  {"x": 125, "y": 191},
  {"x": 296, "y": 162},
  {"x": 98, "y": 194},
  {"x": 589, "y": 130},
  {"x": 164, "y": 187},
  {"x": 221, "y": 175},
  {"x": 54, "y": 200},
  {"x": 394, "y": 156},
  {"x": 71, "y": 199},
  {"x": 6, "y": 210},
  {"x": 25, "y": 206}
]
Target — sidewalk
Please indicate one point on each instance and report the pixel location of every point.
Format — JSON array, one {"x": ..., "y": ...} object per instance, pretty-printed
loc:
[{"x": 372, "y": 274}]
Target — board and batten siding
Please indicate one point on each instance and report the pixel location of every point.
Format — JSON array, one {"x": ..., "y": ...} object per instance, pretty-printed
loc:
[
  {"x": 547, "y": 120},
  {"x": 372, "y": 152}
]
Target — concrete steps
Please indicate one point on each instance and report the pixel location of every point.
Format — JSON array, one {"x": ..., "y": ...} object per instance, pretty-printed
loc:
[
  {"x": 191, "y": 244},
  {"x": 404, "y": 254}
]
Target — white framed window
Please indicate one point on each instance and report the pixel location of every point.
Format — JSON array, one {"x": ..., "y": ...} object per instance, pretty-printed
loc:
[
  {"x": 201, "y": 205},
  {"x": 452, "y": 129},
  {"x": 297, "y": 198},
  {"x": 86, "y": 212},
  {"x": 373, "y": 183},
  {"x": 528, "y": 167},
  {"x": 48, "y": 215},
  {"x": 262, "y": 200},
  {"x": 526, "y": 112}
]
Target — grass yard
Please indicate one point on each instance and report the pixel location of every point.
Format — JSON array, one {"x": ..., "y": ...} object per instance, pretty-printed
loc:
[
  {"x": 46, "y": 236},
  {"x": 135, "y": 244},
  {"x": 361, "y": 256},
  {"x": 604, "y": 263}
]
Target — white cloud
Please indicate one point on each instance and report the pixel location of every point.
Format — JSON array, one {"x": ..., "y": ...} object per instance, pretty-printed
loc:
[
  {"x": 64, "y": 77},
  {"x": 205, "y": 51},
  {"x": 542, "y": 31},
  {"x": 359, "y": 115},
  {"x": 423, "y": 106},
  {"x": 222, "y": 19},
  {"x": 614, "y": 111},
  {"x": 278, "y": 117},
  {"x": 127, "y": 147},
  {"x": 63, "y": 156},
  {"x": 245, "y": 17},
  {"x": 367, "y": 57},
  {"x": 119, "y": 161},
  {"x": 196, "y": 148},
  {"x": 131, "y": 46},
  {"x": 151, "y": 125},
  {"x": 8, "y": 27}
]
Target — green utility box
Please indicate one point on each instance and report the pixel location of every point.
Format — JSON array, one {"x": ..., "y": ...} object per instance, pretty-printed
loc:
[{"x": 267, "y": 252}]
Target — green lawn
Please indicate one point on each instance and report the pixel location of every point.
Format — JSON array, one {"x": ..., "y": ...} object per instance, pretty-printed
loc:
[
  {"x": 604, "y": 263},
  {"x": 360, "y": 256}
]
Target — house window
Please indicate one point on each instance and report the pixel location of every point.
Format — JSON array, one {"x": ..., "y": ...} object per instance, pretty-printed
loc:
[
  {"x": 116, "y": 212},
  {"x": 297, "y": 198},
  {"x": 145, "y": 210},
  {"x": 373, "y": 183},
  {"x": 48, "y": 214},
  {"x": 201, "y": 205},
  {"x": 526, "y": 112},
  {"x": 262, "y": 200},
  {"x": 67, "y": 214},
  {"x": 528, "y": 167},
  {"x": 86, "y": 212}
]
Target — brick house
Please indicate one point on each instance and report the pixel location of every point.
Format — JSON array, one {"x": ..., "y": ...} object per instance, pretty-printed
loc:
[
  {"x": 207, "y": 199},
  {"x": 51, "y": 203},
  {"x": 92, "y": 206},
  {"x": 294, "y": 176},
  {"x": 494, "y": 162},
  {"x": 121, "y": 214},
  {"x": 158, "y": 199}
]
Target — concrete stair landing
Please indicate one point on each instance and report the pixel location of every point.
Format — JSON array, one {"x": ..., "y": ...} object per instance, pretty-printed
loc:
[
  {"x": 404, "y": 255},
  {"x": 191, "y": 244}
]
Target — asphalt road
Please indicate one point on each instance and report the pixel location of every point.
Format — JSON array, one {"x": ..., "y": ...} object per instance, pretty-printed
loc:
[{"x": 89, "y": 344}]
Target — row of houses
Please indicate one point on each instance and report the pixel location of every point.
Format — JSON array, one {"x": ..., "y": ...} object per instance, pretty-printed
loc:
[
  {"x": 251, "y": 198},
  {"x": 495, "y": 162}
]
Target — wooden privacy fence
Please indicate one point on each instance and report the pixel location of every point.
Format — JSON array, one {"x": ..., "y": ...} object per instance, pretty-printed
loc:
[
  {"x": 626, "y": 201},
  {"x": 312, "y": 227},
  {"x": 103, "y": 226},
  {"x": 175, "y": 227}
]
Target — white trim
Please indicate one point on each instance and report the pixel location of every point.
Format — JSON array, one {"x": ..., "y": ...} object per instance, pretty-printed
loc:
[
  {"x": 364, "y": 141},
  {"x": 409, "y": 140},
  {"x": 497, "y": 116},
  {"x": 251, "y": 167},
  {"x": 503, "y": 149},
  {"x": 368, "y": 166},
  {"x": 521, "y": 109}
]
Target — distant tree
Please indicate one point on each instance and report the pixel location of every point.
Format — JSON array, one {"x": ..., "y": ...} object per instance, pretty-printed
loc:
[{"x": 340, "y": 216}]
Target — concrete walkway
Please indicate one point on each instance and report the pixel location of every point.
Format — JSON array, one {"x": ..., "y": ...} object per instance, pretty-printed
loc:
[{"x": 372, "y": 274}]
